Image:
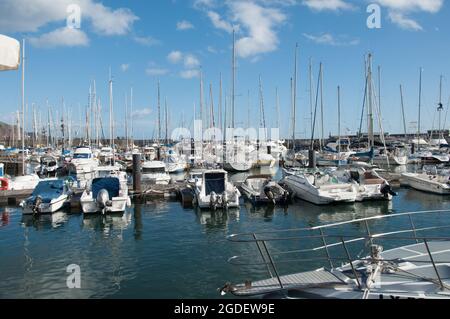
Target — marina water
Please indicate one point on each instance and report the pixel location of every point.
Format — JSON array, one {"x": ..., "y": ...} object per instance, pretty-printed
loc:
[{"x": 158, "y": 249}]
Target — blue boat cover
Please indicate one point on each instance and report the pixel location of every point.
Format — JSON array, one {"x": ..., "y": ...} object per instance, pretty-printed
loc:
[
  {"x": 215, "y": 182},
  {"x": 48, "y": 190},
  {"x": 111, "y": 184}
]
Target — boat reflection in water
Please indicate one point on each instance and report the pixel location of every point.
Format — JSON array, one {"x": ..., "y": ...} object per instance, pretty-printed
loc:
[
  {"x": 46, "y": 221},
  {"x": 107, "y": 223},
  {"x": 217, "y": 219}
]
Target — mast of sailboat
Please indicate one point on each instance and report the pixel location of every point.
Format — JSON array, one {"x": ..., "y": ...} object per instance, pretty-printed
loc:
[
  {"x": 220, "y": 104},
  {"x": 322, "y": 142},
  {"x": 403, "y": 112},
  {"x": 126, "y": 122},
  {"x": 166, "y": 119},
  {"x": 440, "y": 109},
  {"x": 111, "y": 106},
  {"x": 261, "y": 104},
  {"x": 370, "y": 104},
  {"x": 311, "y": 92},
  {"x": 213, "y": 120},
  {"x": 294, "y": 102},
  {"x": 420, "y": 108},
  {"x": 233, "y": 82},
  {"x": 339, "y": 120},
  {"x": 23, "y": 107},
  {"x": 159, "y": 114},
  {"x": 201, "y": 96},
  {"x": 277, "y": 107},
  {"x": 131, "y": 118}
]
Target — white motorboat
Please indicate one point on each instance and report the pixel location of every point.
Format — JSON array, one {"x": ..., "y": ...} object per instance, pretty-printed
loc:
[
  {"x": 19, "y": 183},
  {"x": 215, "y": 191},
  {"x": 149, "y": 153},
  {"x": 106, "y": 155},
  {"x": 155, "y": 172},
  {"x": 415, "y": 267},
  {"x": 368, "y": 184},
  {"x": 49, "y": 196},
  {"x": 262, "y": 190},
  {"x": 320, "y": 188},
  {"x": 105, "y": 195},
  {"x": 48, "y": 166},
  {"x": 174, "y": 163},
  {"x": 83, "y": 165},
  {"x": 431, "y": 183}
]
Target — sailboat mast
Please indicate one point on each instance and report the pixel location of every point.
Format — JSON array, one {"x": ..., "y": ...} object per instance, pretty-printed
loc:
[
  {"x": 294, "y": 102},
  {"x": 440, "y": 108},
  {"x": 23, "y": 107},
  {"x": 220, "y": 105},
  {"x": 339, "y": 119},
  {"x": 131, "y": 118},
  {"x": 370, "y": 104},
  {"x": 233, "y": 85},
  {"x": 322, "y": 141},
  {"x": 159, "y": 114},
  {"x": 111, "y": 124},
  {"x": 263, "y": 115},
  {"x": 277, "y": 107},
  {"x": 126, "y": 121},
  {"x": 403, "y": 111},
  {"x": 420, "y": 108}
]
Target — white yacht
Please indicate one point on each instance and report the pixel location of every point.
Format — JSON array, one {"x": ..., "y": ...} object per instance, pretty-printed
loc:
[
  {"x": 215, "y": 191},
  {"x": 83, "y": 165},
  {"x": 174, "y": 163},
  {"x": 368, "y": 184},
  {"x": 320, "y": 188},
  {"x": 261, "y": 190},
  {"x": 106, "y": 155},
  {"x": 431, "y": 183},
  {"x": 105, "y": 195},
  {"x": 155, "y": 172}
]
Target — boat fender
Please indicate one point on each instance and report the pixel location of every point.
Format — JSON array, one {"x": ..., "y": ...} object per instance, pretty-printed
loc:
[
  {"x": 213, "y": 199},
  {"x": 4, "y": 184}
]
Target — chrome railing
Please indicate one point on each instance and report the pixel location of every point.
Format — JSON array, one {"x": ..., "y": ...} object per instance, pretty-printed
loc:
[{"x": 265, "y": 240}]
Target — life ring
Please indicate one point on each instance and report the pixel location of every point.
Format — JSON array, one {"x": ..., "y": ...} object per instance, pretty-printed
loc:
[{"x": 4, "y": 184}]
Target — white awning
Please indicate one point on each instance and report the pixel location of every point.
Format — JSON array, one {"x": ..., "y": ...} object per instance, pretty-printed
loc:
[{"x": 9, "y": 53}]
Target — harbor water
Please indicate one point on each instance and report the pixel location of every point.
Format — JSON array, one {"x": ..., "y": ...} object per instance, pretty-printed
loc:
[{"x": 158, "y": 249}]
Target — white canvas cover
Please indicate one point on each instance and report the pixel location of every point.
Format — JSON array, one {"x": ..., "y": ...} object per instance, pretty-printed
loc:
[{"x": 9, "y": 53}]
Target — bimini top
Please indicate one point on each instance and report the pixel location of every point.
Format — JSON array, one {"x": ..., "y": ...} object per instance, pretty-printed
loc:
[{"x": 111, "y": 184}]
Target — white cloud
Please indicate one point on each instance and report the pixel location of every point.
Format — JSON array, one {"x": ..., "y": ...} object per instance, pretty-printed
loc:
[
  {"x": 330, "y": 5},
  {"x": 329, "y": 39},
  {"x": 138, "y": 114},
  {"x": 146, "y": 41},
  {"x": 404, "y": 22},
  {"x": 431, "y": 6},
  {"x": 399, "y": 11},
  {"x": 219, "y": 23},
  {"x": 124, "y": 67},
  {"x": 26, "y": 16},
  {"x": 211, "y": 49},
  {"x": 191, "y": 61},
  {"x": 175, "y": 57},
  {"x": 184, "y": 25},
  {"x": 63, "y": 37},
  {"x": 189, "y": 74},
  {"x": 154, "y": 71},
  {"x": 260, "y": 23}
]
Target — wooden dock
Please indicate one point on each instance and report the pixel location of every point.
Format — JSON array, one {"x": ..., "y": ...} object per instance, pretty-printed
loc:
[{"x": 14, "y": 197}]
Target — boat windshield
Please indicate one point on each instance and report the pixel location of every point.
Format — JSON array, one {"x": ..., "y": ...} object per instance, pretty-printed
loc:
[
  {"x": 215, "y": 183},
  {"x": 82, "y": 156}
]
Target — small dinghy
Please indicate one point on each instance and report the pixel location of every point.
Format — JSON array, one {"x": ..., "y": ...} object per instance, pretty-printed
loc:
[
  {"x": 49, "y": 196},
  {"x": 105, "y": 195},
  {"x": 262, "y": 190}
]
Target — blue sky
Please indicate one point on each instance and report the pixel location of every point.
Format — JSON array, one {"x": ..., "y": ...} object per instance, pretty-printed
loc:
[{"x": 169, "y": 40}]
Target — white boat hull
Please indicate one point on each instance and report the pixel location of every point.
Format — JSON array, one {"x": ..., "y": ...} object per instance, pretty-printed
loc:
[
  {"x": 418, "y": 182},
  {"x": 50, "y": 208}
]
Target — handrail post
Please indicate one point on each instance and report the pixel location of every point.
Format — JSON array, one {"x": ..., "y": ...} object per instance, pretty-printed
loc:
[
  {"x": 262, "y": 255},
  {"x": 326, "y": 248},
  {"x": 413, "y": 228},
  {"x": 368, "y": 232},
  {"x": 434, "y": 264},
  {"x": 273, "y": 265},
  {"x": 351, "y": 263}
]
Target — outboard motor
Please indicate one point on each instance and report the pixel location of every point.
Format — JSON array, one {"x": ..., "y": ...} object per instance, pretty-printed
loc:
[
  {"x": 269, "y": 194},
  {"x": 386, "y": 190},
  {"x": 213, "y": 201},
  {"x": 37, "y": 202},
  {"x": 103, "y": 199}
]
